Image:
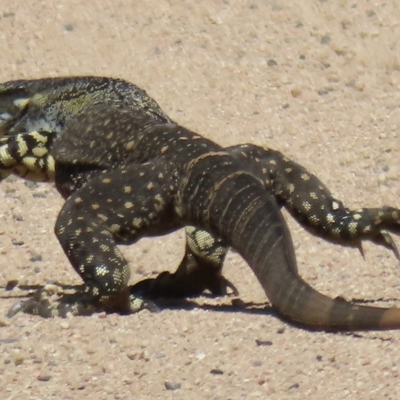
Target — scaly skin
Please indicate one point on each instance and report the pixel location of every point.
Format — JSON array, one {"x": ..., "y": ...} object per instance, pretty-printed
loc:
[{"x": 35, "y": 112}]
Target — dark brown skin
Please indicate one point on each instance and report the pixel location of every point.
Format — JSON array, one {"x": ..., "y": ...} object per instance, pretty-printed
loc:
[
  {"x": 305, "y": 197},
  {"x": 179, "y": 178},
  {"x": 131, "y": 172}
]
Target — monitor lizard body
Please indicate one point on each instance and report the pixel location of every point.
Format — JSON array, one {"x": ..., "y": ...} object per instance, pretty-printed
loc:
[{"x": 167, "y": 177}]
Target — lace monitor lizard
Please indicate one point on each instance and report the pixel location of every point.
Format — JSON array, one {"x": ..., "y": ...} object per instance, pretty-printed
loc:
[{"x": 127, "y": 171}]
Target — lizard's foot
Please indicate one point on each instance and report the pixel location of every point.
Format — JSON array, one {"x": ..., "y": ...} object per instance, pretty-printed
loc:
[
  {"x": 352, "y": 227},
  {"x": 377, "y": 224},
  {"x": 199, "y": 271},
  {"x": 177, "y": 286},
  {"x": 49, "y": 302}
]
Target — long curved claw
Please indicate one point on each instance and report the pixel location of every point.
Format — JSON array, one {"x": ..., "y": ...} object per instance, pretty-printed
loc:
[
  {"x": 16, "y": 308},
  {"x": 360, "y": 249},
  {"x": 385, "y": 239}
]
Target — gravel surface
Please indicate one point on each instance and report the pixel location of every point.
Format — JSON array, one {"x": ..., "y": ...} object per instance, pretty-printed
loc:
[{"x": 318, "y": 80}]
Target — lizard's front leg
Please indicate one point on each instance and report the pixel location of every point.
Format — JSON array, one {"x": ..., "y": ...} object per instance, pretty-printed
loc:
[
  {"x": 117, "y": 207},
  {"x": 27, "y": 155}
]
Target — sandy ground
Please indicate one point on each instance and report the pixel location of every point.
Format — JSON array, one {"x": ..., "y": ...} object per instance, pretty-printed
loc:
[{"x": 319, "y": 81}]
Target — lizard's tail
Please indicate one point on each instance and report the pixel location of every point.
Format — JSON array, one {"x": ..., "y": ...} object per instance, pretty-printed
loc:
[{"x": 253, "y": 224}]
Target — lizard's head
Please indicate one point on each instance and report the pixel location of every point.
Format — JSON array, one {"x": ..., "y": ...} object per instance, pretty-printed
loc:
[
  {"x": 39, "y": 104},
  {"x": 48, "y": 104},
  {"x": 14, "y": 101}
]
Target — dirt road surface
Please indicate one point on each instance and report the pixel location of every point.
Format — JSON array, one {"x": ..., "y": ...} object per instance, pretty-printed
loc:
[{"x": 318, "y": 80}]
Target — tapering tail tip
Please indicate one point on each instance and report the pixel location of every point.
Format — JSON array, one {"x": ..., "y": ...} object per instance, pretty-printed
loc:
[{"x": 322, "y": 313}]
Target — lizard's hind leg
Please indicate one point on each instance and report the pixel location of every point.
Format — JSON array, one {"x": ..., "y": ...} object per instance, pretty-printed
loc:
[{"x": 313, "y": 205}]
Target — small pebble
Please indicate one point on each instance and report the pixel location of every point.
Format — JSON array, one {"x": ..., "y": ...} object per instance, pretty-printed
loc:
[
  {"x": 295, "y": 92},
  {"x": 200, "y": 356},
  {"x": 11, "y": 178},
  {"x": 18, "y": 360},
  {"x": 38, "y": 195},
  {"x": 216, "y": 371},
  {"x": 18, "y": 217},
  {"x": 172, "y": 385},
  {"x": 263, "y": 342},
  {"x": 10, "y": 285},
  {"x": 294, "y": 386},
  {"x": 256, "y": 363},
  {"x": 8, "y": 340},
  {"x": 44, "y": 378},
  {"x": 64, "y": 325},
  {"x": 36, "y": 257},
  {"x": 31, "y": 185}
]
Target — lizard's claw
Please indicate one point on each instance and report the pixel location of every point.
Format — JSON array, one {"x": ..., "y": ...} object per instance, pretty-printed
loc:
[
  {"x": 360, "y": 248},
  {"x": 385, "y": 239}
]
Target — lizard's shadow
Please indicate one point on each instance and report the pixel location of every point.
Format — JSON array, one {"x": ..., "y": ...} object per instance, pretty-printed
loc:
[
  {"x": 202, "y": 302},
  {"x": 236, "y": 304}
]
